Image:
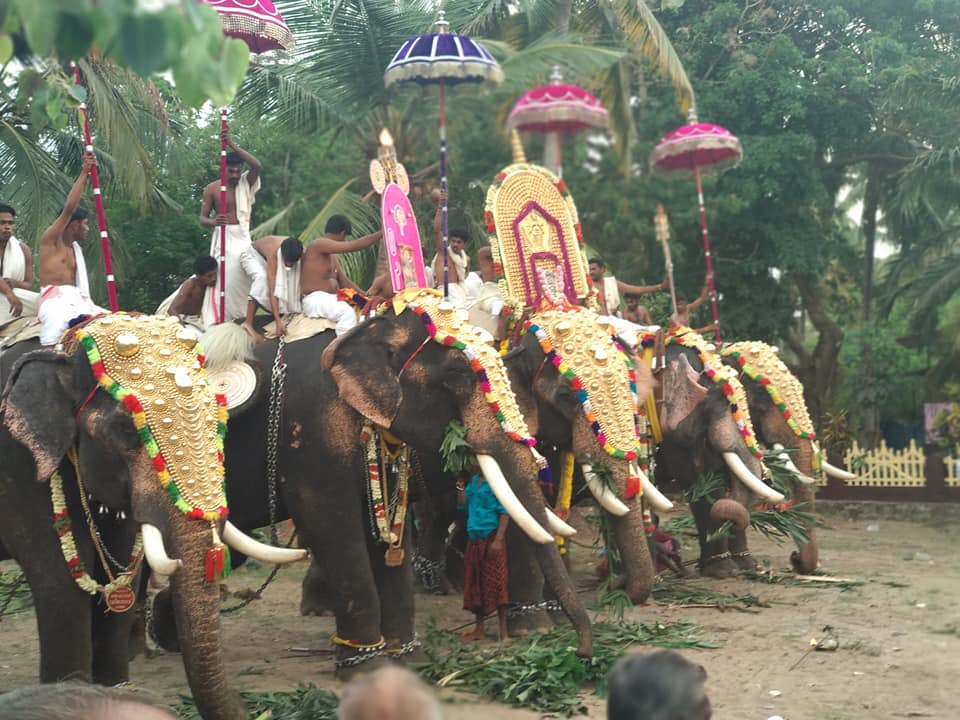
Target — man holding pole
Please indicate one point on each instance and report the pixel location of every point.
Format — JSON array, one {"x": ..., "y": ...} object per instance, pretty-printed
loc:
[
  {"x": 242, "y": 187},
  {"x": 64, "y": 286}
]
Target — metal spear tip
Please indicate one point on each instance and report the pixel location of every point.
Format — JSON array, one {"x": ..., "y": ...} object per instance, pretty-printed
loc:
[{"x": 386, "y": 139}]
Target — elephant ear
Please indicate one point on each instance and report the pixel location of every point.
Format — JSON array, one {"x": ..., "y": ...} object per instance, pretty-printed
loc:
[
  {"x": 37, "y": 408},
  {"x": 682, "y": 392},
  {"x": 359, "y": 362}
]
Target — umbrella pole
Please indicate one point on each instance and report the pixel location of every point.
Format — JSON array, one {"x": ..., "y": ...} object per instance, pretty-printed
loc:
[
  {"x": 98, "y": 203},
  {"x": 222, "y": 300},
  {"x": 706, "y": 250},
  {"x": 443, "y": 186}
]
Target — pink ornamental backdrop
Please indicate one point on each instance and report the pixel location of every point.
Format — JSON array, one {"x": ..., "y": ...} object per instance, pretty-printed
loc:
[{"x": 404, "y": 254}]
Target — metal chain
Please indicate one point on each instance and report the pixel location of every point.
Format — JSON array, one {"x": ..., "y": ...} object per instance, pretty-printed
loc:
[
  {"x": 405, "y": 649},
  {"x": 277, "y": 375},
  {"x": 363, "y": 655},
  {"x": 430, "y": 572}
]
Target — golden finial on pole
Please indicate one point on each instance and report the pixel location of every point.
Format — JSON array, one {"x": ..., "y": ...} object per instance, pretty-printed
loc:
[{"x": 518, "y": 155}]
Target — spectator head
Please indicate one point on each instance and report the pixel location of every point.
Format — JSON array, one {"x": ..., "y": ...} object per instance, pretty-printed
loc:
[
  {"x": 7, "y": 220},
  {"x": 661, "y": 685},
  {"x": 390, "y": 693},
  {"x": 77, "y": 701},
  {"x": 597, "y": 269},
  {"x": 205, "y": 268},
  {"x": 338, "y": 227},
  {"x": 291, "y": 250},
  {"x": 631, "y": 300}
]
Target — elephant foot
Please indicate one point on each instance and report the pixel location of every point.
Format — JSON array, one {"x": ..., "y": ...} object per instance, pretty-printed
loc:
[
  {"x": 522, "y": 622},
  {"x": 745, "y": 561},
  {"x": 310, "y": 607},
  {"x": 805, "y": 560},
  {"x": 162, "y": 623},
  {"x": 720, "y": 567},
  {"x": 413, "y": 656},
  {"x": 349, "y": 668},
  {"x": 138, "y": 633}
]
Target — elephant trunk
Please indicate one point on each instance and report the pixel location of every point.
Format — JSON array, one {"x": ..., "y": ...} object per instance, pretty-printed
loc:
[
  {"x": 634, "y": 552},
  {"x": 726, "y": 509},
  {"x": 196, "y": 605},
  {"x": 807, "y": 556}
]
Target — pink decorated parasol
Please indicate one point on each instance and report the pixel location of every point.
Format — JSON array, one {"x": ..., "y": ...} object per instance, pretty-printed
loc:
[
  {"x": 557, "y": 109},
  {"x": 690, "y": 150},
  {"x": 262, "y": 28},
  {"x": 256, "y": 22}
]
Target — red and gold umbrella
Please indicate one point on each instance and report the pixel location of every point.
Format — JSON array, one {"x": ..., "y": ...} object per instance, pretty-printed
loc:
[{"x": 691, "y": 150}]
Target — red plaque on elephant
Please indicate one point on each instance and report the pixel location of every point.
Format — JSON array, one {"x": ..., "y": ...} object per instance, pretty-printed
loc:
[
  {"x": 393, "y": 557},
  {"x": 120, "y": 599}
]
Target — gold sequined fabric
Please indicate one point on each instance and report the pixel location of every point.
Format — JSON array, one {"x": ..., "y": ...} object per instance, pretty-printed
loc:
[
  {"x": 584, "y": 341},
  {"x": 763, "y": 359},
  {"x": 156, "y": 359}
]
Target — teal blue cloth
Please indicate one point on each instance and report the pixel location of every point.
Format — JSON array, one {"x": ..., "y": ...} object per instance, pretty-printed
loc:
[{"x": 483, "y": 509}]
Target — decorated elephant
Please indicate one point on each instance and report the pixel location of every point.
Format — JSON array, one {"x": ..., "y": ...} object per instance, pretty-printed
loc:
[
  {"x": 780, "y": 416},
  {"x": 126, "y": 403},
  {"x": 409, "y": 371},
  {"x": 706, "y": 430}
]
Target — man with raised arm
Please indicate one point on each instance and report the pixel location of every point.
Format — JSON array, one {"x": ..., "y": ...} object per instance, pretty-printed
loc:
[
  {"x": 64, "y": 286},
  {"x": 16, "y": 271},
  {"x": 242, "y": 187},
  {"x": 321, "y": 275}
]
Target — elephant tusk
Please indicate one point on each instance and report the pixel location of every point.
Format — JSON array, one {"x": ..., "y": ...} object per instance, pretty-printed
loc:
[
  {"x": 156, "y": 553},
  {"x": 834, "y": 471},
  {"x": 657, "y": 500},
  {"x": 753, "y": 483},
  {"x": 558, "y": 526},
  {"x": 605, "y": 497},
  {"x": 241, "y": 542},
  {"x": 788, "y": 463},
  {"x": 515, "y": 509}
]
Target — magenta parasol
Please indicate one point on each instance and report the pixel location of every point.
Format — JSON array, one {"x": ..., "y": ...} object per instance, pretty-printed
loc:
[
  {"x": 262, "y": 28},
  {"x": 557, "y": 109},
  {"x": 690, "y": 150}
]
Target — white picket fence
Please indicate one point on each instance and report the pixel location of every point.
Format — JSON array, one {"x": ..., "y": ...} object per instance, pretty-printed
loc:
[{"x": 883, "y": 467}]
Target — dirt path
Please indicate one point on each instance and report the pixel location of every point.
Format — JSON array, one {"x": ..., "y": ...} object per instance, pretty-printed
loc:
[{"x": 899, "y": 633}]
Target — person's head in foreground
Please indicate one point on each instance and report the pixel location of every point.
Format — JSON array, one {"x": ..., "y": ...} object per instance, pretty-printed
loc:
[
  {"x": 390, "y": 693},
  {"x": 662, "y": 685},
  {"x": 77, "y": 701}
]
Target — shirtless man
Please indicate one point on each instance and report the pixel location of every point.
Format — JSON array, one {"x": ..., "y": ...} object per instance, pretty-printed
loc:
[
  {"x": 65, "y": 288},
  {"x": 684, "y": 308},
  {"x": 635, "y": 312},
  {"x": 241, "y": 191},
  {"x": 321, "y": 275},
  {"x": 285, "y": 289},
  {"x": 610, "y": 289},
  {"x": 16, "y": 270},
  {"x": 254, "y": 261},
  {"x": 189, "y": 299}
]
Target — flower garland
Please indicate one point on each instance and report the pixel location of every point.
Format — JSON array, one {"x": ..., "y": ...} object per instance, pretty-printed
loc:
[
  {"x": 133, "y": 405},
  {"x": 390, "y": 530},
  {"x": 723, "y": 377},
  {"x": 772, "y": 390},
  {"x": 577, "y": 384},
  {"x": 68, "y": 546}
]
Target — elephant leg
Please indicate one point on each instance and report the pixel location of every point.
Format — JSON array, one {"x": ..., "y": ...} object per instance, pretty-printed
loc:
[
  {"x": 739, "y": 552},
  {"x": 395, "y": 586},
  {"x": 715, "y": 560},
  {"x": 315, "y": 593},
  {"x": 111, "y": 640},
  {"x": 806, "y": 557},
  {"x": 163, "y": 622},
  {"x": 525, "y": 585}
]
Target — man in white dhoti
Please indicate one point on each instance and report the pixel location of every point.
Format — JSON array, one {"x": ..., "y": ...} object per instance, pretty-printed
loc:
[
  {"x": 253, "y": 262},
  {"x": 608, "y": 298},
  {"x": 187, "y": 300},
  {"x": 64, "y": 286},
  {"x": 283, "y": 279},
  {"x": 321, "y": 275},
  {"x": 16, "y": 271},
  {"x": 241, "y": 191},
  {"x": 458, "y": 261},
  {"x": 487, "y": 309}
]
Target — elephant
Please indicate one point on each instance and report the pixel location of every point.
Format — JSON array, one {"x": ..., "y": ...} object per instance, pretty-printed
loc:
[
  {"x": 701, "y": 435},
  {"x": 781, "y": 424},
  {"x": 388, "y": 371},
  {"x": 60, "y": 402}
]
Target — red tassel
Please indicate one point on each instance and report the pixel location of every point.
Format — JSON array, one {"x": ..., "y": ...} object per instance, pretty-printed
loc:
[
  {"x": 214, "y": 563},
  {"x": 633, "y": 487}
]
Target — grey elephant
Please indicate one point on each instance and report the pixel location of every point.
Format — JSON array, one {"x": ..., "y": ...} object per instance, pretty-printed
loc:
[
  {"x": 127, "y": 400},
  {"x": 388, "y": 370},
  {"x": 704, "y": 431}
]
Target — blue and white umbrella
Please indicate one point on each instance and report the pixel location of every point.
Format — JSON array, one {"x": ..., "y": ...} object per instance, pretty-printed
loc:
[{"x": 442, "y": 58}]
